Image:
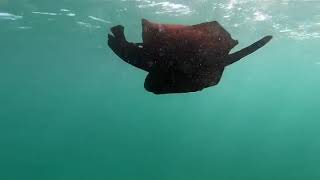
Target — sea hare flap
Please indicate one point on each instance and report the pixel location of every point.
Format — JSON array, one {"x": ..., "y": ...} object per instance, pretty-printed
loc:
[{"x": 209, "y": 37}]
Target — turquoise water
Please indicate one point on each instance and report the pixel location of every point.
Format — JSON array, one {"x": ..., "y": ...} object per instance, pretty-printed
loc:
[{"x": 71, "y": 109}]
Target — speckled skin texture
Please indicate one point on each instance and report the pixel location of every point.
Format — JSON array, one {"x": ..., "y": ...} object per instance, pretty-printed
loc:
[{"x": 180, "y": 58}]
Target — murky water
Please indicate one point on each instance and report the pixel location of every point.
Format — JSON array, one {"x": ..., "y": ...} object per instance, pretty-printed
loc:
[{"x": 71, "y": 109}]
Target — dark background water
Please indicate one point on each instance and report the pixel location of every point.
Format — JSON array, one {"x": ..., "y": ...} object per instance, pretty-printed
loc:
[{"x": 71, "y": 109}]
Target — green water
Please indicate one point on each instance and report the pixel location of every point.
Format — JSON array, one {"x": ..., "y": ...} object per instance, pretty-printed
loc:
[{"x": 72, "y": 110}]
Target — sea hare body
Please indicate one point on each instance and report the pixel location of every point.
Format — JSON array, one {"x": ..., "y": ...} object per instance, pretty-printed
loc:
[{"x": 180, "y": 58}]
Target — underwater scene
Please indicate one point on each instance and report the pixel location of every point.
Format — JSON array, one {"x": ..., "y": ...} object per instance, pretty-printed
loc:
[{"x": 75, "y": 105}]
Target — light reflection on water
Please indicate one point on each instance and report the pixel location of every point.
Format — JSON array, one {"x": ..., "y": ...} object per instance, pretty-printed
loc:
[{"x": 279, "y": 15}]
